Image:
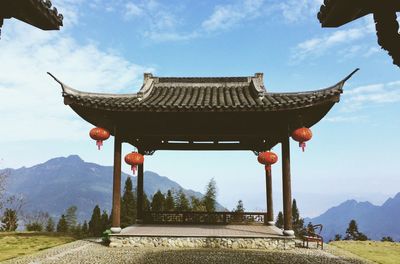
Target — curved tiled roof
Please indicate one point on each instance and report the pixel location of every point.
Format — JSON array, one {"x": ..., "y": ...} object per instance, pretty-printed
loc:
[{"x": 202, "y": 95}]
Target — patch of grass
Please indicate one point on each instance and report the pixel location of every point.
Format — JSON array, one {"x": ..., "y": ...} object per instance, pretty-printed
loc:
[
  {"x": 15, "y": 244},
  {"x": 379, "y": 252}
]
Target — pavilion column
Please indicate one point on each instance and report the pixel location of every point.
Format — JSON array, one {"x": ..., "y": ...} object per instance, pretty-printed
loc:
[
  {"x": 116, "y": 206},
  {"x": 270, "y": 208},
  {"x": 140, "y": 193},
  {"x": 286, "y": 188}
]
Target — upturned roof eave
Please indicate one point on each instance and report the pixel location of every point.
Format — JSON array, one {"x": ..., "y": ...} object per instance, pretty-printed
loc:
[{"x": 67, "y": 90}]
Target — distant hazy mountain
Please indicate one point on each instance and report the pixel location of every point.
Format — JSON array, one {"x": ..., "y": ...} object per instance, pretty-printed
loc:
[
  {"x": 61, "y": 182},
  {"x": 374, "y": 221}
]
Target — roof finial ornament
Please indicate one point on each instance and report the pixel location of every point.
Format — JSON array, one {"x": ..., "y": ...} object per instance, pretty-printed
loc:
[
  {"x": 260, "y": 76},
  {"x": 147, "y": 76}
]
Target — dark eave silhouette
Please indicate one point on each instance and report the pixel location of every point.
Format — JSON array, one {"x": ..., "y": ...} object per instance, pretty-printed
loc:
[
  {"x": 38, "y": 13},
  {"x": 335, "y": 13}
]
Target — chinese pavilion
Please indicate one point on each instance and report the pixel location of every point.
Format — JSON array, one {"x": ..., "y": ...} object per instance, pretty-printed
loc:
[{"x": 211, "y": 113}]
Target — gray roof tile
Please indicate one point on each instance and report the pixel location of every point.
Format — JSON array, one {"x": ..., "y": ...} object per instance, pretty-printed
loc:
[{"x": 173, "y": 94}]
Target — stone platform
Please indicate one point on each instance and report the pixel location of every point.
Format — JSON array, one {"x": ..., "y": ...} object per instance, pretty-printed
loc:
[{"x": 203, "y": 236}]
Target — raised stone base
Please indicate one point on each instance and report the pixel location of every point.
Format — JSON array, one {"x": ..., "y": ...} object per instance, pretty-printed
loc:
[{"x": 202, "y": 242}]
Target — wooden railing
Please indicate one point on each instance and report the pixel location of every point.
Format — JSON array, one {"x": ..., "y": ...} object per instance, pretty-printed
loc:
[{"x": 204, "y": 218}]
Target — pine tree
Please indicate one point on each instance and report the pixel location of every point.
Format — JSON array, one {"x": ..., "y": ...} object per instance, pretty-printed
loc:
[
  {"x": 239, "y": 207},
  {"x": 9, "y": 221},
  {"x": 146, "y": 203},
  {"x": 70, "y": 217},
  {"x": 62, "y": 226},
  {"x": 387, "y": 239},
  {"x": 338, "y": 237},
  {"x": 50, "y": 225},
  {"x": 352, "y": 232},
  {"x": 128, "y": 205},
  {"x": 105, "y": 224},
  {"x": 279, "y": 220},
  {"x": 209, "y": 198},
  {"x": 169, "y": 204},
  {"x": 182, "y": 203},
  {"x": 157, "y": 203},
  {"x": 95, "y": 222},
  {"x": 196, "y": 204},
  {"x": 85, "y": 229},
  {"x": 297, "y": 221}
]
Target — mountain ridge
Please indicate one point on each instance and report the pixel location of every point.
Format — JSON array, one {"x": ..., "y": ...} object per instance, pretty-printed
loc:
[
  {"x": 60, "y": 182},
  {"x": 373, "y": 220}
]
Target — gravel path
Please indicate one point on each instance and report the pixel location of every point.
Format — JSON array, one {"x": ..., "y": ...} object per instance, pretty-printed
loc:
[{"x": 91, "y": 251}]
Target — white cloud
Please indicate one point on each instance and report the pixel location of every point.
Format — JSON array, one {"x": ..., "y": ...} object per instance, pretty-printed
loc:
[
  {"x": 132, "y": 10},
  {"x": 345, "y": 119},
  {"x": 31, "y": 104},
  {"x": 226, "y": 16},
  {"x": 339, "y": 39},
  {"x": 371, "y": 96},
  {"x": 295, "y": 10}
]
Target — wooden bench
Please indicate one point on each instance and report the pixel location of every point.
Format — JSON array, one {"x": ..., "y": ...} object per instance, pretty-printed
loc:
[{"x": 313, "y": 236}]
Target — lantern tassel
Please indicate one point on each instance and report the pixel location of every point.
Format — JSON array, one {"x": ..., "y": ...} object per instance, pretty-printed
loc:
[
  {"x": 133, "y": 167},
  {"x": 99, "y": 143},
  {"x": 302, "y": 145},
  {"x": 268, "y": 168}
]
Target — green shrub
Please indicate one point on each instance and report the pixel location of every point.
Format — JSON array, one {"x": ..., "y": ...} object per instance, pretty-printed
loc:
[
  {"x": 34, "y": 227},
  {"x": 106, "y": 236}
]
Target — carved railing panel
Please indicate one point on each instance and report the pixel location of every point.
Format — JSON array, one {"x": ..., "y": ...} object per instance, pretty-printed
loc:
[{"x": 204, "y": 218}]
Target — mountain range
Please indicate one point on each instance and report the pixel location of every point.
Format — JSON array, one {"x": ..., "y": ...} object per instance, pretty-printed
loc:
[
  {"x": 56, "y": 184},
  {"x": 374, "y": 221}
]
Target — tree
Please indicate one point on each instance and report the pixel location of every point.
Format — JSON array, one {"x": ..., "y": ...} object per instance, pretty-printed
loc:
[
  {"x": 3, "y": 180},
  {"x": 95, "y": 222},
  {"x": 9, "y": 221},
  {"x": 210, "y": 196},
  {"x": 146, "y": 203},
  {"x": 169, "y": 204},
  {"x": 157, "y": 203},
  {"x": 128, "y": 205},
  {"x": 36, "y": 221},
  {"x": 239, "y": 207},
  {"x": 387, "y": 239},
  {"x": 105, "y": 224},
  {"x": 85, "y": 229},
  {"x": 37, "y": 227},
  {"x": 62, "y": 225},
  {"x": 338, "y": 237},
  {"x": 196, "y": 204},
  {"x": 297, "y": 221},
  {"x": 50, "y": 225},
  {"x": 352, "y": 232},
  {"x": 279, "y": 220},
  {"x": 70, "y": 217},
  {"x": 182, "y": 203}
]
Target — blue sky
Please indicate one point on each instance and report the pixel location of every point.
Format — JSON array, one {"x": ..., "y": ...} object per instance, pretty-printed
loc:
[{"x": 106, "y": 46}]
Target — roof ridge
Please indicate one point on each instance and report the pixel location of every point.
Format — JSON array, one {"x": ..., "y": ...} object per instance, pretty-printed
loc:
[{"x": 245, "y": 79}]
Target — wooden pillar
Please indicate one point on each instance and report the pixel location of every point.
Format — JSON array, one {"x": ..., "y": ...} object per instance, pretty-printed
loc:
[
  {"x": 286, "y": 188},
  {"x": 140, "y": 191},
  {"x": 270, "y": 208},
  {"x": 116, "y": 206}
]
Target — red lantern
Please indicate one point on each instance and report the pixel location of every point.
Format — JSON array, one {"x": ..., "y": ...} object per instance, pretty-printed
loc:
[
  {"x": 99, "y": 134},
  {"x": 302, "y": 135},
  {"x": 267, "y": 158},
  {"x": 134, "y": 159}
]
